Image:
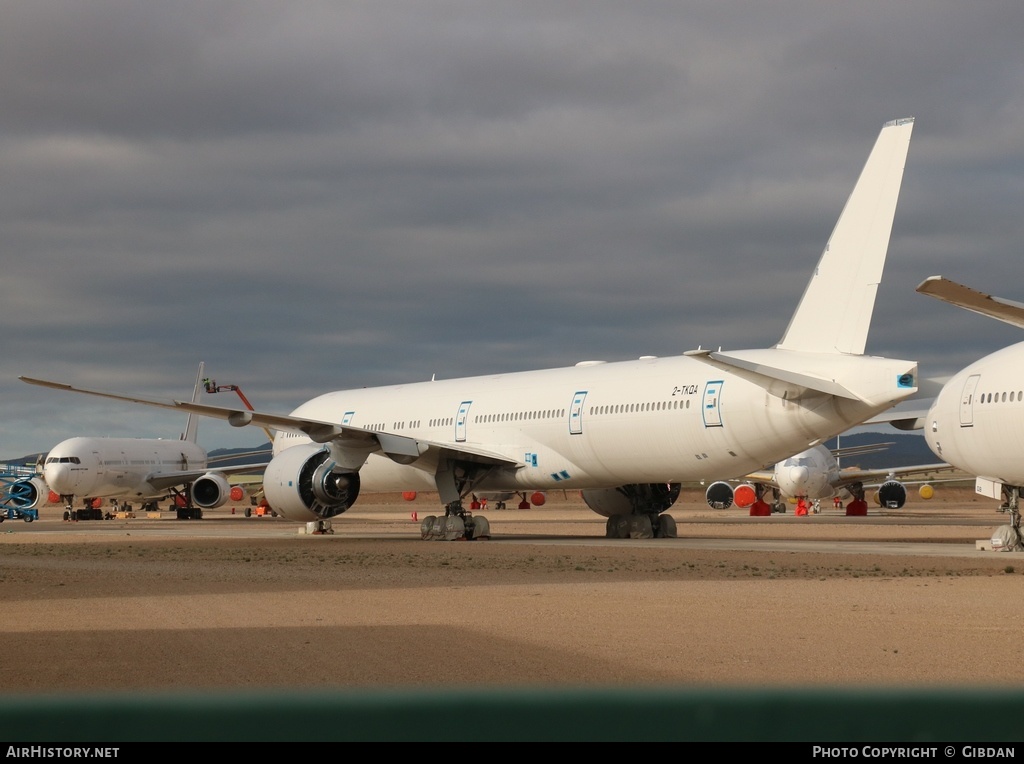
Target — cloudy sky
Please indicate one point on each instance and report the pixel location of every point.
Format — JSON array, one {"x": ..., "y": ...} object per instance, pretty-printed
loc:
[{"x": 311, "y": 196}]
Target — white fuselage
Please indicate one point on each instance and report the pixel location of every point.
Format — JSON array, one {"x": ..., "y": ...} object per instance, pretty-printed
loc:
[
  {"x": 976, "y": 423},
  {"x": 117, "y": 467},
  {"x": 607, "y": 424}
]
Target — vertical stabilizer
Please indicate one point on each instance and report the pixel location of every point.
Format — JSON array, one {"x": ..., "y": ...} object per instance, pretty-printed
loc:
[
  {"x": 835, "y": 311},
  {"x": 192, "y": 425}
]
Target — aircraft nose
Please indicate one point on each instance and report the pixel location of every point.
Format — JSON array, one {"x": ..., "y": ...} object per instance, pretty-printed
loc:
[
  {"x": 798, "y": 476},
  {"x": 58, "y": 477}
]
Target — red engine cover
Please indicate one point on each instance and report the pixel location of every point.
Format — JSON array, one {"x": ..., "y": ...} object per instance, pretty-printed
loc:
[{"x": 744, "y": 495}]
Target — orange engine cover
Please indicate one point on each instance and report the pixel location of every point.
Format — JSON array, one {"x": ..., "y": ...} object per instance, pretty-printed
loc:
[{"x": 744, "y": 495}]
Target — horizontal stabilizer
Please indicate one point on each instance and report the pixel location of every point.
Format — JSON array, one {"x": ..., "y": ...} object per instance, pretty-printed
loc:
[{"x": 783, "y": 374}]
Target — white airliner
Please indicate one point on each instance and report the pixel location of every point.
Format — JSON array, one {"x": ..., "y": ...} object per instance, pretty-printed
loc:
[
  {"x": 624, "y": 433},
  {"x": 143, "y": 469},
  {"x": 977, "y": 420},
  {"x": 815, "y": 474}
]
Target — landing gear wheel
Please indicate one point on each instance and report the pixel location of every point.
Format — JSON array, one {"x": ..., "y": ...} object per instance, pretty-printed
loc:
[
  {"x": 666, "y": 527},
  {"x": 454, "y": 528},
  {"x": 427, "y": 527},
  {"x": 617, "y": 527},
  {"x": 640, "y": 527},
  {"x": 479, "y": 529}
]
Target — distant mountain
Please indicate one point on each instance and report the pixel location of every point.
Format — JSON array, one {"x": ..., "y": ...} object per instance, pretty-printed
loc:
[
  {"x": 230, "y": 457},
  {"x": 906, "y": 450}
]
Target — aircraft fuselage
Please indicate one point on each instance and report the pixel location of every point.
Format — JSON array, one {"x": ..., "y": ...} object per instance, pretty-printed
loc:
[
  {"x": 602, "y": 424},
  {"x": 117, "y": 467},
  {"x": 976, "y": 423}
]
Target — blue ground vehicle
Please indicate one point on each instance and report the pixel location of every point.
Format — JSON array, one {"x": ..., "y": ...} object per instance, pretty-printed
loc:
[
  {"x": 11, "y": 496},
  {"x": 8, "y": 512}
]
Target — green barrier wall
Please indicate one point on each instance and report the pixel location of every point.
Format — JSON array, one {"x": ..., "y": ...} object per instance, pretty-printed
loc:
[{"x": 817, "y": 716}]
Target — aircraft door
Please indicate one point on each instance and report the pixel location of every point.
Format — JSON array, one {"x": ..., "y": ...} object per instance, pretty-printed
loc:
[
  {"x": 712, "y": 403},
  {"x": 460, "y": 421},
  {"x": 967, "y": 401},
  {"x": 576, "y": 413}
]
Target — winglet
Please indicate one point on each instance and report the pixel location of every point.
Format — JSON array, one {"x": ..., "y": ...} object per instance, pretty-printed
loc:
[
  {"x": 834, "y": 314},
  {"x": 192, "y": 423}
]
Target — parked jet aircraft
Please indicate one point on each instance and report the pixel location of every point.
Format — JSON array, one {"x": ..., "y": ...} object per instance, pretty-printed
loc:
[
  {"x": 624, "y": 433},
  {"x": 977, "y": 420},
  {"x": 144, "y": 469},
  {"x": 815, "y": 474}
]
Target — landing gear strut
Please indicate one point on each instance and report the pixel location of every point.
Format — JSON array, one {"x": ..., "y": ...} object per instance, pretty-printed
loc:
[
  {"x": 1009, "y": 535},
  {"x": 778, "y": 505},
  {"x": 184, "y": 508}
]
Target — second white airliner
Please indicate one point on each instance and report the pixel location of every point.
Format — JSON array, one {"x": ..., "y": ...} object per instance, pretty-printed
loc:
[{"x": 90, "y": 469}]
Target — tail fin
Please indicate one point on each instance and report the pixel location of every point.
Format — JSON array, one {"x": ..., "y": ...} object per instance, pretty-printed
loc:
[
  {"x": 192, "y": 424},
  {"x": 834, "y": 313}
]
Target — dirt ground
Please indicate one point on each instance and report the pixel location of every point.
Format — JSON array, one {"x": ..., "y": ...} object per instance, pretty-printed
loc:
[{"x": 236, "y": 603}]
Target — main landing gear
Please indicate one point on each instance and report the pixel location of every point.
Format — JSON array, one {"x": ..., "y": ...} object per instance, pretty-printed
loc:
[
  {"x": 647, "y": 516},
  {"x": 183, "y": 506},
  {"x": 641, "y": 526},
  {"x": 90, "y": 510},
  {"x": 455, "y": 525},
  {"x": 1007, "y": 538}
]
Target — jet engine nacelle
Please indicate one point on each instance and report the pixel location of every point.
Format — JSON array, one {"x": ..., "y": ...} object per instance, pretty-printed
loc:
[
  {"x": 210, "y": 491},
  {"x": 719, "y": 495},
  {"x": 29, "y": 493},
  {"x": 300, "y": 485},
  {"x": 892, "y": 494},
  {"x": 626, "y": 499}
]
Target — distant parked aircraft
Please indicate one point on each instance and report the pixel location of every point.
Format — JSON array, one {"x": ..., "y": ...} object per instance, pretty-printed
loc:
[{"x": 142, "y": 469}]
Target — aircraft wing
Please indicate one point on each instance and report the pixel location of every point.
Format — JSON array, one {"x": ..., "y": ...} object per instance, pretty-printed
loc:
[
  {"x": 918, "y": 473},
  {"x": 399, "y": 447},
  {"x": 964, "y": 297},
  {"x": 866, "y": 448},
  {"x": 164, "y": 480}
]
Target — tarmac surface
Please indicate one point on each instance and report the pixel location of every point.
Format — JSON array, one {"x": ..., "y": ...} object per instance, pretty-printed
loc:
[{"x": 900, "y": 598}]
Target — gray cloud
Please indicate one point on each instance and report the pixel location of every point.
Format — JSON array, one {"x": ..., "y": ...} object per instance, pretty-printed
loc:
[{"x": 311, "y": 196}]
